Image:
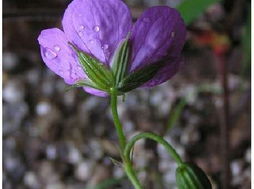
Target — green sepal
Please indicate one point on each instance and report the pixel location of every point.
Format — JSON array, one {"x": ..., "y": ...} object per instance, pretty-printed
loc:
[
  {"x": 139, "y": 77},
  {"x": 120, "y": 60},
  {"x": 97, "y": 72},
  {"x": 190, "y": 176},
  {"x": 83, "y": 83}
]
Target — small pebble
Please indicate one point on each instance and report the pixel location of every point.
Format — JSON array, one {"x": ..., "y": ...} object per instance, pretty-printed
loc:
[
  {"x": 10, "y": 61},
  {"x": 43, "y": 108},
  {"x": 31, "y": 180},
  {"x": 83, "y": 170},
  {"x": 13, "y": 91}
]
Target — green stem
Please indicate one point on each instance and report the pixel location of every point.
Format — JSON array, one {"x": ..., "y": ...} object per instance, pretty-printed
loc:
[
  {"x": 132, "y": 174},
  {"x": 118, "y": 125},
  {"x": 158, "y": 139},
  {"x": 122, "y": 140},
  {"x": 125, "y": 149}
]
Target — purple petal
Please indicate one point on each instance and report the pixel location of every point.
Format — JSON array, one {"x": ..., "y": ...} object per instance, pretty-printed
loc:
[
  {"x": 58, "y": 56},
  {"x": 95, "y": 92},
  {"x": 159, "y": 33},
  {"x": 97, "y": 26},
  {"x": 166, "y": 72}
]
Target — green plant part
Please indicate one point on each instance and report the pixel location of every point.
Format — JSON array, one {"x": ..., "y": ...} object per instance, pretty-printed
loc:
[{"x": 189, "y": 176}]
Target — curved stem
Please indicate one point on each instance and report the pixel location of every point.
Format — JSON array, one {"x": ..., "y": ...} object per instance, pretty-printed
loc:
[
  {"x": 158, "y": 139},
  {"x": 118, "y": 125},
  {"x": 122, "y": 140}
]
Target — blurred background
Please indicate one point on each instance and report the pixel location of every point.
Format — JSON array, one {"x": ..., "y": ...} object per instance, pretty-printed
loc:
[{"x": 54, "y": 139}]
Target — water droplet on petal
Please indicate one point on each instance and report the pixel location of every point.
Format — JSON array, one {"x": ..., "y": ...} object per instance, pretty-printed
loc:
[
  {"x": 96, "y": 28},
  {"x": 49, "y": 54},
  {"x": 173, "y": 34},
  {"x": 147, "y": 20},
  {"x": 105, "y": 46},
  {"x": 81, "y": 27},
  {"x": 57, "y": 48},
  {"x": 92, "y": 41},
  {"x": 80, "y": 33}
]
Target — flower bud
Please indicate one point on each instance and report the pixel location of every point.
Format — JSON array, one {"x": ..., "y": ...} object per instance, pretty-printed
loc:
[{"x": 189, "y": 176}]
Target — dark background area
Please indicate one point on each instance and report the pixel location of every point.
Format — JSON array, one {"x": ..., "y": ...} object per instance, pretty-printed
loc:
[{"x": 54, "y": 139}]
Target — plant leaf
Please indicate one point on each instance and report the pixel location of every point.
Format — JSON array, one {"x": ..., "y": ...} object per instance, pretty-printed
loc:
[{"x": 192, "y": 9}]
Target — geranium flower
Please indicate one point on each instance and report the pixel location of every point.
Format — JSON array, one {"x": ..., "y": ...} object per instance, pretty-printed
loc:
[{"x": 97, "y": 27}]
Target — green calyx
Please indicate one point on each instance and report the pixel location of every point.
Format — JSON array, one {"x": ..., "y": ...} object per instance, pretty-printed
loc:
[
  {"x": 99, "y": 76},
  {"x": 96, "y": 72},
  {"x": 103, "y": 78},
  {"x": 124, "y": 81},
  {"x": 83, "y": 83},
  {"x": 139, "y": 77},
  {"x": 120, "y": 61},
  {"x": 189, "y": 176}
]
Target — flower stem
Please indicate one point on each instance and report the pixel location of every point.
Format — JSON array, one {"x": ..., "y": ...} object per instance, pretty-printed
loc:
[
  {"x": 122, "y": 140},
  {"x": 132, "y": 174},
  {"x": 158, "y": 139},
  {"x": 125, "y": 149},
  {"x": 118, "y": 125}
]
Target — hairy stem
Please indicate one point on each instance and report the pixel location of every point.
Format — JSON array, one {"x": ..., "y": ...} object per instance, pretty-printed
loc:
[
  {"x": 118, "y": 125},
  {"x": 122, "y": 140}
]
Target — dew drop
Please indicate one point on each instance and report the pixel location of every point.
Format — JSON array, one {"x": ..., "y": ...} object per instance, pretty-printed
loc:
[
  {"x": 81, "y": 27},
  {"x": 105, "y": 46},
  {"x": 92, "y": 41},
  {"x": 96, "y": 28},
  {"x": 57, "y": 48},
  {"x": 49, "y": 54},
  {"x": 80, "y": 33}
]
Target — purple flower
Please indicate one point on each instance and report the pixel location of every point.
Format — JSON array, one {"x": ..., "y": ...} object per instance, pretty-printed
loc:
[{"x": 98, "y": 26}]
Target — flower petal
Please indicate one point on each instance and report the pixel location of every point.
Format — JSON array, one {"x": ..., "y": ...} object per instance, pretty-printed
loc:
[
  {"x": 58, "y": 55},
  {"x": 95, "y": 92},
  {"x": 166, "y": 72},
  {"x": 97, "y": 26},
  {"x": 159, "y": 33}
]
